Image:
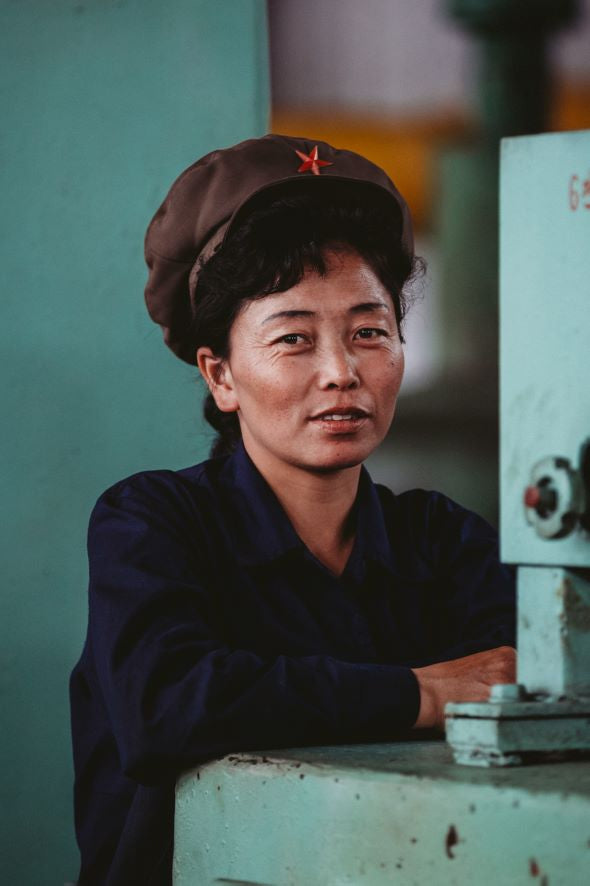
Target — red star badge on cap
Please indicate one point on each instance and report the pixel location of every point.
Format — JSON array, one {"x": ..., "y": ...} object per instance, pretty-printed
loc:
[{"x": 311, "y": 161}]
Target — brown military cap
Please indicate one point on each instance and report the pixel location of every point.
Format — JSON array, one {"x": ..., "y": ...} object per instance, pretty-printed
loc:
[{"x": 209, "y": 199}]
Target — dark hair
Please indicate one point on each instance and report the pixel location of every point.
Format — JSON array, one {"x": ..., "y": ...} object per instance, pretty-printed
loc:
[{"x": 272, "y": 250}]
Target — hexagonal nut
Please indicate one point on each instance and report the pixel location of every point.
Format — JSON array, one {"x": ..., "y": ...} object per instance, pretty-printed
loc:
[{"x": 507, "y": 692}]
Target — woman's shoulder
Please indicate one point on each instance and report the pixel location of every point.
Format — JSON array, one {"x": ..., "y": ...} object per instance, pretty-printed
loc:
[
  {"x": 421, "y": 502},
  {"x": 165, "y": 488},
  {"x": 429, "y": 530},
  {"x": 432, "y": 514}
]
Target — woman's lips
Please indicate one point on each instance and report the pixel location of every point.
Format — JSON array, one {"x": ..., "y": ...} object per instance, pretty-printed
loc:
[{"x": 341, "y": 422}]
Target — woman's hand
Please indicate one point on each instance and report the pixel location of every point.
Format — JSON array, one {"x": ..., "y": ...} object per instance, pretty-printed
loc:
[{"x": 462, "y": 679}]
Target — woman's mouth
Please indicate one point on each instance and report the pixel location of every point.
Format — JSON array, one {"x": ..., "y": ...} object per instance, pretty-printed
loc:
[
  {"x": 341, "y": 422},
  {"x": 336, "y": 417}
]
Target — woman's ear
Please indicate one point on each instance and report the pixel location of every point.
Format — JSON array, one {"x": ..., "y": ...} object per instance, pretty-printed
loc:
[{"x": 218, "y": 378}]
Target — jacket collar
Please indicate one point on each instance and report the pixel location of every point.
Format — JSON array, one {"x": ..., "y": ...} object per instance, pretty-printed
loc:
[{"x": 263, "y": 532}]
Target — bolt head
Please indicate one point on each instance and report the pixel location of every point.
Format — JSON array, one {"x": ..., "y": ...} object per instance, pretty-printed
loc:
[
  {"x": 532, "y": 496},
  {"x": 507, "y": 692}
]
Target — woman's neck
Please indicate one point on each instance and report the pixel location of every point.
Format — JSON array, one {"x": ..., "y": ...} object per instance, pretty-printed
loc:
[{"x": 319, "y": 506}]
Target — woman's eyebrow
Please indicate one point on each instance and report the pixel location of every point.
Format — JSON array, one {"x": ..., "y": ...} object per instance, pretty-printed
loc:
[
  {"x": 369, "y": 306},
  {"x": 283, "y": 314},
  {"x": 362, "y": 308}
]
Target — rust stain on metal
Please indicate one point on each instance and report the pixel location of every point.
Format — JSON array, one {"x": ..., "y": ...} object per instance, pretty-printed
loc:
[
  {"x": 578, "y": 610},
  {"x": 451, "y": 840},
  {"x": 238, "y": 761},
  {"x": 535, "y": 871}
]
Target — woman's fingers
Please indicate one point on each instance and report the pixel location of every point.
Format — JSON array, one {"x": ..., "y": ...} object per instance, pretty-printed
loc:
[{"x": 462, "y": 679}]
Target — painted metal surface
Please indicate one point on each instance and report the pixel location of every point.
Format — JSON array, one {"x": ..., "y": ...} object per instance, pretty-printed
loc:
[
  {"x": 511, "y": 733},
  {"x": 554, "y": 631},
  {"x": 378, "y": 814},
  {"x": 544, "y": 329}
]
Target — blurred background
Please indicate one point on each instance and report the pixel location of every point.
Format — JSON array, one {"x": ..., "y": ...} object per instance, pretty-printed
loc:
[{"x": 104, "y": 102}]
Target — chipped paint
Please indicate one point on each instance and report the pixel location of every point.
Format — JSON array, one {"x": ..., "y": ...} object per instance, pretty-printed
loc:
[{"x": 451, "y": 840}]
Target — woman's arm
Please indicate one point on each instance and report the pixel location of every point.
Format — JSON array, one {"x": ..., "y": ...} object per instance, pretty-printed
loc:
[
  {"x": 478, "y": 609},
  {"x": 175, "y": 691}
]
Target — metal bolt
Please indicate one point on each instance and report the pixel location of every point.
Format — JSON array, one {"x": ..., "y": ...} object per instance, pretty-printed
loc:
[
  {"x": 542, "y": 497},
  {"x": 507, "y": 692}
]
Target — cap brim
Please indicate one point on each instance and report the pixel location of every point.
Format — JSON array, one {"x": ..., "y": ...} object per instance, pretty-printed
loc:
[{"x": 358, "y": 188}]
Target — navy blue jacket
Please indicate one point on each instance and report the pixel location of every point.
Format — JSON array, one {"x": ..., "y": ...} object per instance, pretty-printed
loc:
[{"x": 212, "y": 628}]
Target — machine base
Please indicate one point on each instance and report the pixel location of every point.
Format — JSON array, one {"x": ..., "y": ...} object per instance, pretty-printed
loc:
[{"x": 508, "y": 733}]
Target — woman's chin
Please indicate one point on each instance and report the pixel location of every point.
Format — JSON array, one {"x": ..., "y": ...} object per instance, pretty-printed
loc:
[
  {"x": 338, "y": 458},
  {"x": 326, "y": 456}
]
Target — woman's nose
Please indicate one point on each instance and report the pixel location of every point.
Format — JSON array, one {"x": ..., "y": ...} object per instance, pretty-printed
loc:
[{"x": 338, "y": 369}]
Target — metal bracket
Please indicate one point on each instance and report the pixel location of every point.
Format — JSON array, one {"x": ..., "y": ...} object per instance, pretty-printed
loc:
[{"x": 505, "y": 733}]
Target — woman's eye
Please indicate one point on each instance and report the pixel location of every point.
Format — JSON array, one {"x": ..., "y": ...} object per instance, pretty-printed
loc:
[
  {"x": 370, "y": 332},
  {"x": 292, "y": 338}
]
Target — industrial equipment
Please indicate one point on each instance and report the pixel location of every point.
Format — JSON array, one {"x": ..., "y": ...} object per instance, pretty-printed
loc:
[{"x": 545, "y": 455}]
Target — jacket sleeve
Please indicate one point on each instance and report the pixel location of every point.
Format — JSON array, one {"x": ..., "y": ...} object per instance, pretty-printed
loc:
[
  {"x": 176, "y": 693},
  {"x": 479, "y": 606}
]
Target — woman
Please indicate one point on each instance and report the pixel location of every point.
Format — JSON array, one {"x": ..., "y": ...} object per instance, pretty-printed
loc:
[{"x": 273, "y": 596}]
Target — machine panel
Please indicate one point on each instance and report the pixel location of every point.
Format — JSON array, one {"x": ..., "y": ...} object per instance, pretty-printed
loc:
[{"x": 545, "y": 348}]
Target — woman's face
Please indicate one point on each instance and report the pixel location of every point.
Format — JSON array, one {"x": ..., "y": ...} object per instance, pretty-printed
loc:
[{"x": 313, "y": 372}]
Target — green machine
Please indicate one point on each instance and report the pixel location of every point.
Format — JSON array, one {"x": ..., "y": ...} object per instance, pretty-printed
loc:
[
  {"x": 545, "y": 455},
  {"x": 410, "y": 812}
]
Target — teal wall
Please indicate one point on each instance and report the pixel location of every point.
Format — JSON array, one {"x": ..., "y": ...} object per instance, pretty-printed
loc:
[{"x": 104, "y": 103}]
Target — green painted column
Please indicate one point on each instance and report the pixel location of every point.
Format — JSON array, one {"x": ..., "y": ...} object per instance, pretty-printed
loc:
[
  {"x": 511, "y": 96},
  {"x": 513, "y": 78},
  {"x": 104, "y": 103}
]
